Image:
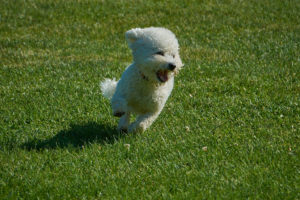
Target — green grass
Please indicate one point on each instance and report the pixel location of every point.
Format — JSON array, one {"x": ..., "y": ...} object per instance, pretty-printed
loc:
[{"x": 238, "y": 95}]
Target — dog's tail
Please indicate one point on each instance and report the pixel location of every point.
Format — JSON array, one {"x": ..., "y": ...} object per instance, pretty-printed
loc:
[{"x": 108, "y": 87}]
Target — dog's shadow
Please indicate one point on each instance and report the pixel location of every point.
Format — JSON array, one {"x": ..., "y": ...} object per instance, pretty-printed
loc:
[{"x": 77, "y": 136}]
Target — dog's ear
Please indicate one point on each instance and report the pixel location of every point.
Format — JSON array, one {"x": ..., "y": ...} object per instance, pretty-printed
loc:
[{"x": 133, "y": 35}]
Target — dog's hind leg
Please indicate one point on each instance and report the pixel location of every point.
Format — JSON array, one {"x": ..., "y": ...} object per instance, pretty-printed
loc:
[
  {"x": 143, "y": 122},
  {"x": 124, "y": 122}
]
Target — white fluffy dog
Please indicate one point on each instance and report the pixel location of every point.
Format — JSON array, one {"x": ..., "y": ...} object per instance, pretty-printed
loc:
[{"x": 147, "y": 83}]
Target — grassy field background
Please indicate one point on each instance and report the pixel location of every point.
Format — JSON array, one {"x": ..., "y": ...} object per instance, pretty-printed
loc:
[{"x": 230, "y": 129}]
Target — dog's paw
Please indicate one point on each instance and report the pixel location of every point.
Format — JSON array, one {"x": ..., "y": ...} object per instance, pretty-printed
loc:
[
  {"x": 118, "y": 113},
  {"x": 123, "y": 130}
]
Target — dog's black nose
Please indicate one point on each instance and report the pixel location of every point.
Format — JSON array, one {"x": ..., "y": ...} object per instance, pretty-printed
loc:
[{"x": 171, "y": 66}]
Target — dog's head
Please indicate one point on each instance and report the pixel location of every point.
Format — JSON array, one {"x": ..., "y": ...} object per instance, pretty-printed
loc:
[{"x": 155, "y": 52}]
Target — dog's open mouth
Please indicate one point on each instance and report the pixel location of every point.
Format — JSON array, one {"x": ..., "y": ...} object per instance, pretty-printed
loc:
[{"x": 162, "y": 75}]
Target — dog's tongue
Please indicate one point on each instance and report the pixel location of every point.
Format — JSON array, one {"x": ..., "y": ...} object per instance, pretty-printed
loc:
[{"x": 163, "y": 75}]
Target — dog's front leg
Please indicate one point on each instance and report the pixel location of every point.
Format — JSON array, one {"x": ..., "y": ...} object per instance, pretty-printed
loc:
[
  {"x": 119, "y": 106},
  {"x": 124, "y": 122},
  {"x": 142, "y": 122}
]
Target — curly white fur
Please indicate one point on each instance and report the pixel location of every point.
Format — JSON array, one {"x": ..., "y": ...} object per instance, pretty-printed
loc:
[
  {"x": 108, "y": 87},
  {"x": 147, "y": 83}
]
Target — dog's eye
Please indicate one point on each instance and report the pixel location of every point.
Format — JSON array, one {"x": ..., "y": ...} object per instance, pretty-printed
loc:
[
  {"x": 173, "y": 56},
  {"x": 160, "y": 53}
]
